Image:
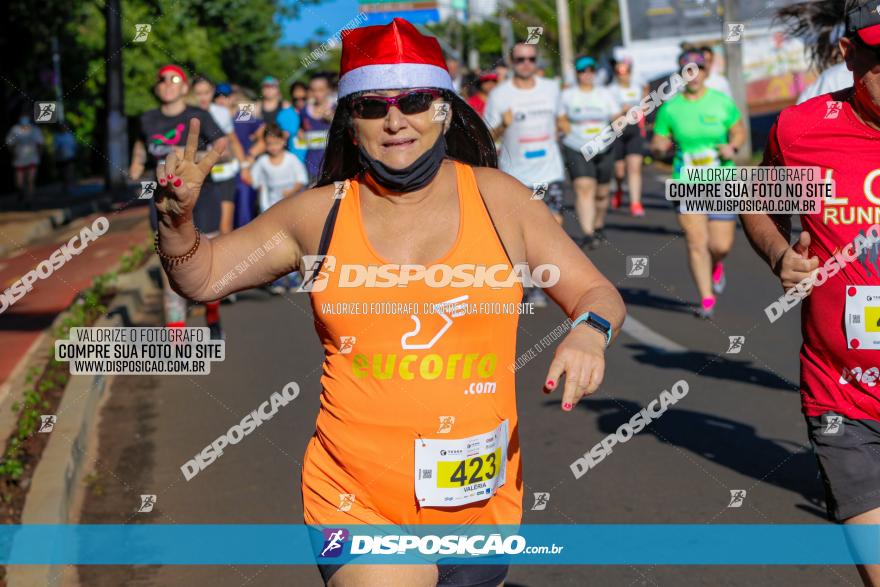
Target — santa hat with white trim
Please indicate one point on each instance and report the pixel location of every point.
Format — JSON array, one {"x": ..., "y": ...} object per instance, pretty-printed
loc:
[{"x": 394, "y": 56}]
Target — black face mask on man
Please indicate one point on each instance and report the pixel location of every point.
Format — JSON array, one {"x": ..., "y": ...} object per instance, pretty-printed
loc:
[{"x": 414, "y": 176}]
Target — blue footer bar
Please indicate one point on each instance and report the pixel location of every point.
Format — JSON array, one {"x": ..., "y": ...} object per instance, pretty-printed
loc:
[{"x": 612, "y": 544}]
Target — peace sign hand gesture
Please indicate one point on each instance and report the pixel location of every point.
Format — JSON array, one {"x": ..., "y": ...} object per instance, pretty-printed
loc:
[{"x": 180, "y": 180}]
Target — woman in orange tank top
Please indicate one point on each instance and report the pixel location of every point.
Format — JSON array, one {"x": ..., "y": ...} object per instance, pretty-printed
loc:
[{"x": 414, "y": 249}]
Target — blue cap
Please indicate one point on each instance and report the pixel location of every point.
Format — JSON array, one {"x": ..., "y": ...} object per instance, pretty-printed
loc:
[
  {"x": 269, "y": 81},
  {"x": 223, "y": 89},
  {"x": 584, "y": 62}
]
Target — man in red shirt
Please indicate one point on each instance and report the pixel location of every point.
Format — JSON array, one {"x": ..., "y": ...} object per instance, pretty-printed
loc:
[{"x": 840, "y": 388}]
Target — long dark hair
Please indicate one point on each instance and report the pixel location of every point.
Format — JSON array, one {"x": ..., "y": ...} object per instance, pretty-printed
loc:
[
  {"x": 817, "y": 23},
  {"x": 468, "y": 140}
]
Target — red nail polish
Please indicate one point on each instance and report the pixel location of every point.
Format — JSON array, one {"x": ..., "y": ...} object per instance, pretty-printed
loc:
[
  {"x": 567, "y": 407},
  {"x": 177, "y": 182},
  {"x": 170, "y": 175},
  {"x": 162, "y": 181},
  {"x": 551, "y": 384}
]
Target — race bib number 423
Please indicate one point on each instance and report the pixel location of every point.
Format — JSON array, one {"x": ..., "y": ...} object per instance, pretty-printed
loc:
[
  {"x": 461, "y": 471},
  {"x": 863, "y": 317}
]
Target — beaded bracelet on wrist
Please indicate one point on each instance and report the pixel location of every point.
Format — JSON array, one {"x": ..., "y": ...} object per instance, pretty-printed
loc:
[{"x": 170, "y": 261}]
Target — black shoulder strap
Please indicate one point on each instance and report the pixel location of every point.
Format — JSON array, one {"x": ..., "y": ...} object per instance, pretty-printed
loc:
[{"x": 327, "y": 233}]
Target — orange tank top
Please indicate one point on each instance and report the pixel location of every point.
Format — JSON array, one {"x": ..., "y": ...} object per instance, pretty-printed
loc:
[{"x": 396, "y": 370}]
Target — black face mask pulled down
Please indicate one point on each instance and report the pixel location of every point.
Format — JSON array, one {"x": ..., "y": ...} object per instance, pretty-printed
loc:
[{"x": 414, "y": 176}]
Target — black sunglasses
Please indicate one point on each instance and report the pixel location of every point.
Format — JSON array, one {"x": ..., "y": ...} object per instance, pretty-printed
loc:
[
  {"x": 524, "y": 59},
  {"x": 414, "y": 102}
]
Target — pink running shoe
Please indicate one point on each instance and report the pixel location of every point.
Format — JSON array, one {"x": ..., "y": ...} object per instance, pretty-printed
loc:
[
  {"x": 719, "y": 280},
  {"x": 707, "y": 308}
]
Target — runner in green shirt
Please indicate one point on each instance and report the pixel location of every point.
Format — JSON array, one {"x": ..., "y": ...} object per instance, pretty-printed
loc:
[{"x": 708, "y": 130}]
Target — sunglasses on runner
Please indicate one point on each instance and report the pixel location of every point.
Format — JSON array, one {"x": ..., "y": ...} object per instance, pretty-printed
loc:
[
  {"x": 524, "y": 59},
  {"x": 414, "y": 102}
]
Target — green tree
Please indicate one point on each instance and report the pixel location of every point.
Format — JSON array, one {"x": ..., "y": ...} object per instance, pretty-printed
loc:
[{"x": 595, "y": 25}]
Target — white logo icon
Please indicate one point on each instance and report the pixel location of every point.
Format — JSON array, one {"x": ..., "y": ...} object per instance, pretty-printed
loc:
[
  {"x": 541, "y": 499},
  {"x": 45, "y": 112},
  {"x": 737, "y": 496},
  {"x": 47, "y": 423},
  {"x": 833, "y": 425},
  {"x": 637, "y": 267},
  {"x": 833, "y": 110},
  {"x": 245, "y": 112},
  {"x": 346, "y": 500},
  {"x": 539, "y": 190},
  {"x": 341, "y": 187},
  {"x": 736, "y": 344},
  {"x": 316, "y": 274},
  {"x": 441, "y": 111},
  {"x": 534, "y": 34},
  {"x": 346, "y": 343},
  {"x": 148, "y": 188},
  {"x": 147, "y": 503},
  {"x": 446, "y": 423},
  {"x": 453, "y": 306},
  {"x": 734, "y": 32},
  {"x": 141, "y": 32}
]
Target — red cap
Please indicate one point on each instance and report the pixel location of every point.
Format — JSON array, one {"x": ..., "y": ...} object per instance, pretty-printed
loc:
[
  {"x": 174, "y": 69},
  {"x": 391, "y": 56},
  {"x": 871, "y": 34},
  {"x": 489, "y": 77}
]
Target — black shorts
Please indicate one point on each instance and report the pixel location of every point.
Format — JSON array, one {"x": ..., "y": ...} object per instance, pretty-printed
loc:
[
  {"x": 451, "y": 575},
  {"x": 600, "y": 167},
  {"x": 554, "y": 197},
  {"x": 848, "y": 452},
  {"x": 225, "y": 190},
  {"x": 630, "y": 142},
  {"x": 206, "y": 214}
]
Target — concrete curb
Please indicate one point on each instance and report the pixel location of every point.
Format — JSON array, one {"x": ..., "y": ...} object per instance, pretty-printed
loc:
[
  {"x": 61, "y": 468},
  {"x": 32, "y": 226}
]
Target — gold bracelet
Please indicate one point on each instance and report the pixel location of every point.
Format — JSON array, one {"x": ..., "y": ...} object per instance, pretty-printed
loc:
[{"x": 174, "y": 261}]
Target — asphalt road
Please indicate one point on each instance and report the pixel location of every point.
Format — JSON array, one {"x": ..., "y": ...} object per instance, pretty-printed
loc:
[{"x": 738, "y": 428}]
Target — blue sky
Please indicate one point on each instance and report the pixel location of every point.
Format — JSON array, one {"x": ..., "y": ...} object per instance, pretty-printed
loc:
[{"x": 330, "y": 14}]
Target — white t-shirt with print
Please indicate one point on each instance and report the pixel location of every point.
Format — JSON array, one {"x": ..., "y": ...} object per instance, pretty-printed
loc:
[
  {"x": 628, "y": 96},
  {"x": 272, "y": 180},
  {"x": 589, "y": 112},
  {"x": 529, "y": 146}
]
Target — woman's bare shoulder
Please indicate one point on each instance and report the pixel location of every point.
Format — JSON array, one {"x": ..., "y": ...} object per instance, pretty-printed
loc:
[
  {"x": 305, "y": 213},
  {"x": 500, "y": 190}
]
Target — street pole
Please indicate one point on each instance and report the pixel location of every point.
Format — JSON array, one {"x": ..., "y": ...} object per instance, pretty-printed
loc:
[
  {"x": 117, "y": 132},
  {"x": 56, "y": 73},
  {"x": 507, "y": 41},
  {"x": 566, "y": 52},
  {"x": 733, "y": 60},
  {"x": 473, "y": 60}
]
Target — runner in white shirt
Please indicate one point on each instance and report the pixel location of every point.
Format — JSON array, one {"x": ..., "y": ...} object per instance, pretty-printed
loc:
[
  {"x": 715, "y": 81},
  {"x": 629, "y": 148},
  {"x": 836, "y": 77},
  {"x": 276, "y": 175},
  {"x": 225, "y": 171},
  {"x": 523, "y": 112},
  {"x": 586, "y": 110}
]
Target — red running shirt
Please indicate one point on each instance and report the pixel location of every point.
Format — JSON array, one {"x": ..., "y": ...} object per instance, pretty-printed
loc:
[{"x": 825, "y": 132}]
